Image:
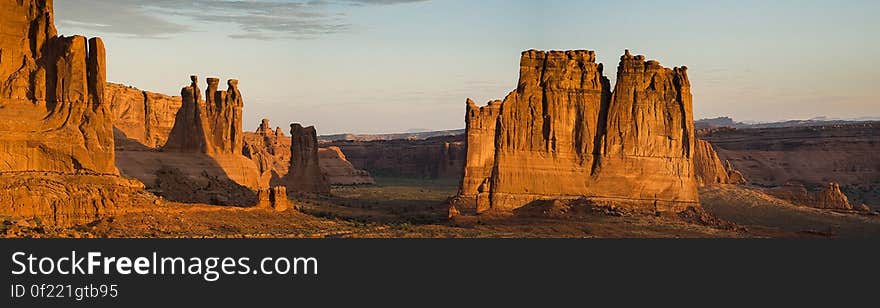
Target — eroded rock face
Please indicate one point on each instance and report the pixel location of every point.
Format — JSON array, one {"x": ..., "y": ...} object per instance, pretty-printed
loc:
[
  {"x": 710, "y": 171},
  {"x": 827, "y": 197},
  {"x": 141, "y": 116},
  {"x": 339, "y": 171},
  {"x": 56, "y": 136},
  {"x": 304, "y": 172},
  {"x": 564, "y": 134}
]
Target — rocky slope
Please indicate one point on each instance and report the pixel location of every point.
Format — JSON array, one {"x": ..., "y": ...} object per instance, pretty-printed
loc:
[
  {"x": 56, "y": 135},
  {"x": 564, "y": 133}
]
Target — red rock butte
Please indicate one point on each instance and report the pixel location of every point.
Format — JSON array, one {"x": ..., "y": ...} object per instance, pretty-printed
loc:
[{"x": 563, "y": 133}]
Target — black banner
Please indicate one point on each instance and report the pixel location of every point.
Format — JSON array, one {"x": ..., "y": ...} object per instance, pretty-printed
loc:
[{"x": 459, "y": 272}]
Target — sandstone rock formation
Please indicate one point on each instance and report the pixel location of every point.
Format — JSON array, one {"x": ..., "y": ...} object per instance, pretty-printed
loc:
[
  {"x": 274, "y": 198},
  {"x": 141, "y": 116},
  {"x": 828, "y": 197},
  {"x": 304, "y": 173},
  {"x": 338, "y": 170},
  {"x": 56, "y": 136},
  {"x": 202, "y": 160},
  {"x": 270, "y": 151},
  {"x": 212, "y": 126},
  {"x": 53, "y": 113},
  {"x": 564, "y": 134},
  {"x": 709, "y": 170}
]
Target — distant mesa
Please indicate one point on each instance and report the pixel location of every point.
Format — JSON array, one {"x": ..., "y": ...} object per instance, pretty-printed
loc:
[{"x": 564, "y": 133}]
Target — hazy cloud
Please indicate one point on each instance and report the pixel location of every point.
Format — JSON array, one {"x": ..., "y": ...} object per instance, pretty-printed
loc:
[{"x": 264, "y": 20}]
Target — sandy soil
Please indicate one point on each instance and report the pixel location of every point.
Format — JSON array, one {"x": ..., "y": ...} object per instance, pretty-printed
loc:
[{"x": 399, "y": 208}]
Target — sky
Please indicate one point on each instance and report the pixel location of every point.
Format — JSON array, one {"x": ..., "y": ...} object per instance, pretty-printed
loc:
[{"x": 383, "y": 66}]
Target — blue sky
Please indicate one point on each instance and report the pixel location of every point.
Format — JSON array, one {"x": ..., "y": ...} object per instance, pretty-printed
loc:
[{"x": 376, "y": 66}]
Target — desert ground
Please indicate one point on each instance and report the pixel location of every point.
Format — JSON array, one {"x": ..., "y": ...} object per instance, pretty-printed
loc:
[{"x": 416, "y": 208}]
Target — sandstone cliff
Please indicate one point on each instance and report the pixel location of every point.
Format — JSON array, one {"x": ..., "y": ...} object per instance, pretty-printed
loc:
[
  {"x": 564, "y": 134},
  {"x": 54, "y": 117},
  {"x": 141, "y": 116},
  {"x": 56, "y": 136},
  {"x": 710, "y": 171},
  {"x": 304, "y": 172}
]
